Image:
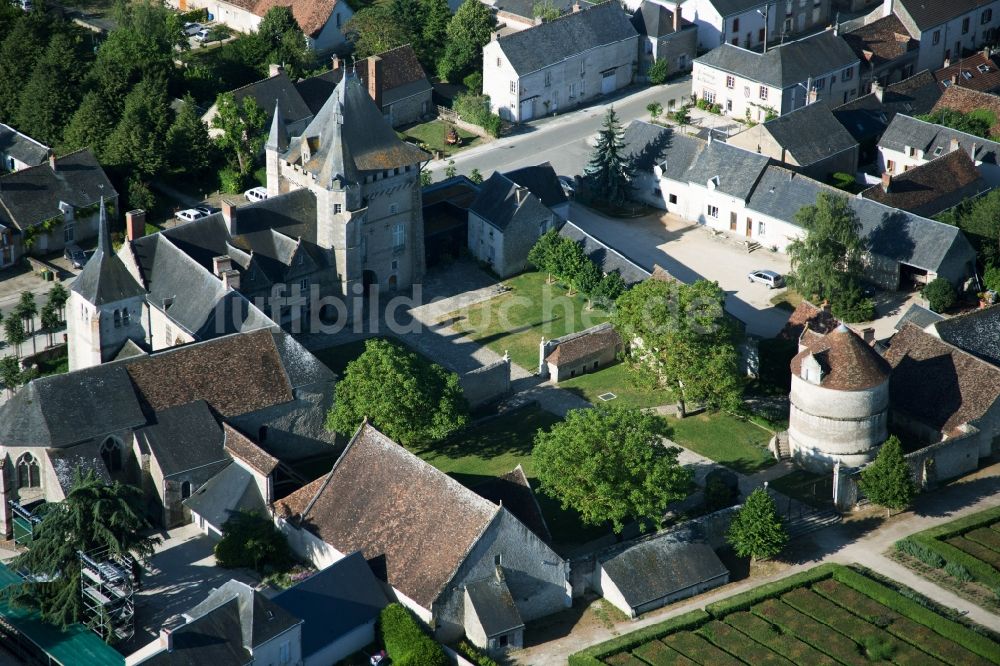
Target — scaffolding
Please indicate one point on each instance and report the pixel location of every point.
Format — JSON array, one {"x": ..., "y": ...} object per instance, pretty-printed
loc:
[
  {"x": 25, "y": 521},
  {"x": 107, "y": 591}
]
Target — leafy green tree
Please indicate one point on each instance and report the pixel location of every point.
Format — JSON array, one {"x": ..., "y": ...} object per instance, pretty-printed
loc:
[
  {"x": 58, "y": 295},
  {"x": 542, "y": 254},
  {"x": 284, "y": 41},
  {"x": 188, "y": 144},
  {"x": 610, "y": 464},
  {"x": 434, "y": 32},
  {"x": 27, "y": 309},
  {"x": 476, "y": 177},
  {"x": 426, "y": 178},
  {"x": 979, "y": 122},
  {"x": 243, "y": 130},
  {"x": 51, "y": 321},
  {"x": 610, "y": 170},
  {"x": 655, "y": 109},
  {"x": 10, "y": 373},
  {"x": 587, "y": 276},
  {"x": 545, "y": 10},
  {"x": 679, "y": 338},
  {"x": 22, "y": 46},
  {"x": 13, "y": 328},
  {"x": 94, "y": 515},
  {"x": 139, "y": 194},
  {"x": 940, "y": 294},
  {"x": 757, "y": 530},
  {"x": 888, "y": 480},
  {"x": 53, "y": 92},
  {"x": 468, "y": 32},
  {"x": 250, "y": 540},
  {"x": 375, "y": 29},
  {"x": 682, "y": 116},
  {"x": 141, "y": 47},
  {"x": 608, "y": 289},
  {"x": 658, "y": 72},
  {"x": 407, "y": 397},
  {"x": 139, "y": 141},
  {"x": 979, "y": 220},
  {"x": 569, "y": 261},
  {"x": 827, "y": 262},
  {"x": 90, "y": 126}
]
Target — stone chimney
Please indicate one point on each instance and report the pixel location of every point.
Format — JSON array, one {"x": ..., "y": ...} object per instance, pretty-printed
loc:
[
  {"x": 972, "y": 151},
  {"x": 52, "y": 161},
  {"x": 335, "y": 63},
  {"x": 221, "y": 264},
  {"x": 868, "y": 335},
  {"x": 231, "y": 279},
  {"x": 953, "y": 145},
  {"x": 947, "y": 63},
  {"x": 375, "y": 80},
  {"x": 877, "y": 89},
  {"x": 677, "y": 17},
  {"x": 274, "y": 69},
  {"x": 135, "y": 224},
  {"x": 954, "y": 78},
  {"x": 167, "y": 639},
  {"x": 229, "y": 215},
  {"x": 886, "y": 181}
]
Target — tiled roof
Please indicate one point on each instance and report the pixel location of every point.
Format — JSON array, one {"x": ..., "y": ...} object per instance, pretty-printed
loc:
[
  {"x": 919, "y": 316},
  {"x": 104, "y": 279},
  {"x": 585, "y": 344},
  {"x": 260, "y": 618},
  {"x": 933, "y": 187},
  {"x": 881, "y": 41},
  {"x": 554, "y": 41},
  {"x": 402, "y": 76},
  {"x": 658, "y": 568},
  {"x": 22, "y": 147},
  {"x": 805, "y": 315},
  {"x": 212, "y": 638},
  {"x": 240, "y": 446},
  {"x": 848, "y": 363},
  {"x": 731, "y": 170},
  {"x": 513, "y": 491},
  {"x": 928, "y": 14},
  {"x": 279, "y": 88},
  {"x": 866, "y": 117},
  {"x": 964, "y": 100},
  {"x": 809, "y": 134},
  {"x": 978, "y": 71},
  {"x": 384, "y": 501},
  {"x": 976, "y": 332},
  {"x": 786, "y": 65},
  {"x": 311, "y": 15},
  {"x": 938, "y": 384},
  {"x": 66, "y": 462}
]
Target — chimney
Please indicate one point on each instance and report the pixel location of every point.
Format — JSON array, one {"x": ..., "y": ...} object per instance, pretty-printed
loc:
[
  {"x": 953, "y": 146},
  {"x": 825, "y": 306},
  {"x": 335, "y": 62},
  {"x": 539, "y": 20},
  {"x": 886, "y": 181},
  {"x": 375, "y": 80},
  {"x": 868, "y": 334},
  {"x": 221, "y": 264},
  {"x": 229, "y": 215},
  {"x": 947, "y": 63},
  {"x": 972, "y": 151},
  {"x": 677, "y": 18},
  {"x": 954, "y": 78},
  {"x": 52, "y": 160},
  {"x": 877, "y": 89},
  {"x": 231, "y": 279},
  {"x": 135, "y": 224},
  {"x": 274, "y": 69},
  {"x": 520, "y": 194},
  {"x": 576, "y": 6},
  {"x": 167, "y": 639}
]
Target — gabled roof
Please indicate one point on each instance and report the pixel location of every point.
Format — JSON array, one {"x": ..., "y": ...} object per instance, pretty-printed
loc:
[
  {"x": 976, "y": 332},
  {"x": 809, "y": 134},
  {"x": 183, "y": 438},
  {"x": 927, "y": 14},
  {"x": 730, "y": 7},
  {"x": 848, "y": 363},
  {"x": 653, "y": 145},
  {"x": 240, "y": 446},
  {"x": 726, "y": 168},
  {"x": 493, "y": 605},
  {"x": 525, "y": 9},
  {"x": 277, "y": 89},
  {"x": 882, "y": 41},
  {"x": 807, "y": 315},
  {"x": 31, "y": 196},
  {"x": 385, "y": 502},
  {"x": 260, "y": 619},
  {"x": 578, "y": 346},
  {"x": 926, "y": 369},
  {"x": 978, "y": 71},
  {"x": 513, "y": 491},
  {"x": 866, "y": 117},
  {"x": 542, "y": 181},
  {"x": 22, "y": 147},
  {"x": 230, "y": 491},
  {"x": 554, "y": 41},
  {"x": 658, "y": 568},
  {"x": 607, "y": 258},
  {"x": 919, "y": 316},
  {"x": 965, "y": 100},
  {"x": 935, "y": 140},
  {"x": 104, "y": 279},
  {"x": 654, "y": 20},
  {"x": 214, "y": 637},
  {"x": 311, "y": 15},
  {"x": 786, "y": 65},
  {"x": 334, "y": 601},
  {"x": 402, "y": 76},
  {"x": 501, "y": 201},
  {"x": 933, "y": 187}
]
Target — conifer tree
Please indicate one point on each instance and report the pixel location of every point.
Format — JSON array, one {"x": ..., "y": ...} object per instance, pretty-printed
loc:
[
  {"x": 888, "y": 481},
  {"x": 757, "y": 530},
  {"x": 610, "y": 170}
]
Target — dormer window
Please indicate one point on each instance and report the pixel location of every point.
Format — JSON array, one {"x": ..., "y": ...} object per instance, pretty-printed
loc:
[{"x": 811, "y": 371}]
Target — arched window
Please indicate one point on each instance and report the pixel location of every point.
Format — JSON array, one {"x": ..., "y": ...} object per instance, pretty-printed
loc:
[
  {"x": 28, "y": 475},
  {"x": 185, "y": 490},
  {"x": 111, "y": 454}
]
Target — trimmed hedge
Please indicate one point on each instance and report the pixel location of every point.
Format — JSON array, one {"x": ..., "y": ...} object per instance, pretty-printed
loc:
[
  {"x": 960, "y": 526},
  {"x": 406, "y": 641},
  {"x": 980, "y": 570},
  {"x": 592, "y": 656},
  {"x": 934, "y": 540},
  {"x": 744, "y": 600},
  {"x": 954, "y": 631}
]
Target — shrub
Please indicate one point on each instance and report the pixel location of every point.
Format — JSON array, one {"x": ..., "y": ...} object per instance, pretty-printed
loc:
[
  {"x": 472, "y": 653},
  {"x": 231, "y": 181},
  {"x": 658, "y": 72},
  {"x": 744, "y": 600},
  {"x": 474, "y": 83},
  {"x": 957, "y": 571},
  {"x": 406, "y": 641},
  {"x": 592, "y": 656},
  {"x": 920, "y": 552},
  {"x": 991, "y": 277},
  {"x": 251, "y": 540},
  {"x": 940, "y": 294},
  {"x": 856, "y": 311},
  {"x": 701, "y": 104},
  {"x": 475, "y": 109}
]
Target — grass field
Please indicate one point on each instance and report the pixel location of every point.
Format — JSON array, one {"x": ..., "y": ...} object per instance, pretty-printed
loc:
[
  {"x": 517, "y": 320},
  {"x": 614, "y": 379},
  {"x": 726, "y": 439},
  {"x": 826, "y": 616},
  {"x": 432, "y": 134}
]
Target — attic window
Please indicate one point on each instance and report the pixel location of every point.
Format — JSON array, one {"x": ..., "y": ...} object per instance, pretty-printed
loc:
[
  {"x": 946, "y": 83},
  {"x": 983, "y": 69},
  {"x": 938, "y": 151},
  {"x": 967, "y": 74}
]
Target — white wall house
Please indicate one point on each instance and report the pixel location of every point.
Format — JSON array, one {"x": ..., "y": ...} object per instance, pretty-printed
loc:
[
  {"x": 748, "y": 23},
  {"x": 945, "y": 29},
  {"x": 560, "y": 65},
  {"x": 909, "y": 142},
  {"x": 748, "y": 84}
]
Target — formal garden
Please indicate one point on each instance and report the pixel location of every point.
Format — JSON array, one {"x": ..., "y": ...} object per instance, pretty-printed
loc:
[{"x": 828, "y": 615}]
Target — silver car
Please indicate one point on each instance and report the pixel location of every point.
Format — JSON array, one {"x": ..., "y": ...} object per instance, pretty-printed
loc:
[{"x": 770, "y": 279}]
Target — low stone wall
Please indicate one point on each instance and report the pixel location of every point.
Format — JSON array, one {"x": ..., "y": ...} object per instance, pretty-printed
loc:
[
  {"x": 45, "y": 355},
  {"x": 487, "y": 384}
]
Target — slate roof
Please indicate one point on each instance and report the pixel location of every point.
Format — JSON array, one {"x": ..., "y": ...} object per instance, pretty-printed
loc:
[
  {"x": 654, "y": 20},
  {"x": 919, "y": 316},
  {"x": 976, "y": 332},
  {"x": 881, "y": 42},
  {"x": 805, "y": 315},
  {"x": 730, "y": 7},
  {"x": 905, "y": 131},
  {"x": 493, "y": 605},
  {"x": 937, "y": 384},
  {"x": 658, "y": 568},
  {"x": 334, "y": 601},
  {"x": 279, "y": 88},
  {"x": 104, "y": 278},
  {"x": 607, "y": 258},
  {"x": 66, "y": 462},
  {"x": 965, "y": 100},
  {"x": 22, "y": 147},
  {"x": 240, "y": 446},
  {"x": 866, "y": 117},
  {"x": 212, "y": 638},
  {"x": 501, "y": 202},
  {"x": 786, "y": 65},
  {"x": 574, "y": 348},
  {"x": 230, "y": 491},
  {"x": 554, "y": 41},
  {"x": 513, "y": 491},
  {"x": 978, "y": 71},
  {"x": 848, "y": 363},
  {"x": 927, "y": 14},
  {"x": 31, "y": 196},
  {"x": 184, "y": 437},
  {"x": 653, "y": 145},
  {"x": 809, "y": 134},
  {"x": 732, "y": 170},
  {"x": 402, "y": 77},
  {"x": 542, "y": 181},
  {"x": 525, "y": 9},
  {"x": 933, "y": 187},
  {"x": 384, "y": 501},
  {"x": 260, "y": 619}
]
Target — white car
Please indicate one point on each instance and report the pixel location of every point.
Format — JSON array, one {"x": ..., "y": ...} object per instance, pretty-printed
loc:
[
  {"x": 203, "y": 34},
  {"x": 190, "y": 215},
  {"x": 770, "y": 279},
  {"x": 256, "y": 194},
  {"x": 192, "y": 29}
]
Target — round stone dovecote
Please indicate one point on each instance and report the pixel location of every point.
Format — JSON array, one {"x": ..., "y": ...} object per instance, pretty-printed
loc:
[{"x": 839, "y": 400}]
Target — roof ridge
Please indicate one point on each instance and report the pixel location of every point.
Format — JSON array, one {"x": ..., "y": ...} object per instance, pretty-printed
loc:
[
  {"x": 499, "y": 508},
  {"x": 954, "y": 349},
  {"x": 559, "y": 18},
  {"x": 329, "y": 475}
]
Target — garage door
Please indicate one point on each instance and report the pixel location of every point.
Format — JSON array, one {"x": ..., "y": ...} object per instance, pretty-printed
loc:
[
  {"x": 527, "y": 109},
  {"x": 608, "y": 82}
]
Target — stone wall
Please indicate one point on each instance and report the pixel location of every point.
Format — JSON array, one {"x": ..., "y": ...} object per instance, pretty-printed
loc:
[
  {"x": 487, "y": 384},
  {"x": 409, "y": 109}
]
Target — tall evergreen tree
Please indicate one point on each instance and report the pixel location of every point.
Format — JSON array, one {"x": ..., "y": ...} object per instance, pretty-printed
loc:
[
  {"x": 888, "y": 480},
  {"x": 90, "y": 126},
  {"x": 20, "y": 49},
  {"x": 610, "y": 169},
  {"x": 53, "y": 92},
  {"x": 468, "y": 32},
  {"x": 375, "y": 29},
  {"x": 13, "y": 329},
  {"x": 188, "y": 144},
  {"x": 139, "y": 142},
  {"x": 757, "y": 530},
  {"x": 434, "y": 32},
  {"x": 10, "y": 373}
]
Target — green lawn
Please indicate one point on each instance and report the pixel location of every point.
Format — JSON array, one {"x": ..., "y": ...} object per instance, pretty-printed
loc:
[
  {"x": 788, "y": 299},
  {"x": 517, "y": 320},
  {"x": 615, "y": 379},
  {"x": 432, "y": 134},
  {"x": 724, "y": 438}
]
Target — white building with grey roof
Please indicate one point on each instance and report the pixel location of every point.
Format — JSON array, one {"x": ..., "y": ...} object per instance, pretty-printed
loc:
[
  {"x": 910, "y": 142},
  {"x": 749, "y": 23},
  {"x": 19, "y": 151}
]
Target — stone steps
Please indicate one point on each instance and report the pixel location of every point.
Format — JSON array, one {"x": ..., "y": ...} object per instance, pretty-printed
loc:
[{"x": 812, "y": 522}]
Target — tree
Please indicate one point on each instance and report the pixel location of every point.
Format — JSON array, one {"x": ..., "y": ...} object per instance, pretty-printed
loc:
[
  {"x": 979, "y": 219},
  {"x": 10, "y": 373},
  {"x": 13, "y": 328},
  {"x": 940, "y": 294},
  {"x": 188, "y": 144},
  {"x": 426, "y": 178},
  {"x": 90, "y": 126},
  {"x": 139, "y": 141},
  {"x": 375, "y": 29},
  {"x": 250, "y": 540},
  {"x": 58, "y": 295},
  {"x": 52, "y": 94},
  {"x": 757, "y": 530},
  {"x": 542, "y": 254},
  {"x": 609, "y": 171},
  {"x": 50, "y": 319},
  {"x": 476, "y": 177},
  {"x": 139, "y": 195},
  {"x": 468, "y": 32},
  {"x": 450, "y": 171},
  {"x": 407, "y": 397},
  {"x": 434, "y": 33},
  {"x": 26, "y": 309},
  {"x": 20, "y": 49},
  {"x": 827, "y": 261},
  {"x": 608, "y": 289},
  {"x": 682, "y": 116},
  {"x": 283, "y": 40},
  {"x": 654, "y": 109},
  {"x": 680, "y": 339},
  {"x": 545, "y": 10},
  {"x": 610, "y": 464},
  {"x": 888, "y": 480},
  {"x": 658, "y": 72},
  {"x": 242, "y": 126},
  {"x": 979, "y": 122},
  {"x": 94, "y": 515}
]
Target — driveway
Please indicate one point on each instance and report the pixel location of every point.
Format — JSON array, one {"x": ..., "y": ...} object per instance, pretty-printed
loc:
[{"x": 690, "y": 252}]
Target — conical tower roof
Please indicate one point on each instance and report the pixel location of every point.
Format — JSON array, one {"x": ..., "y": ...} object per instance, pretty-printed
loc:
[
  {"x": 278, "y": 137},
  {"x": 105, "y": 279}
]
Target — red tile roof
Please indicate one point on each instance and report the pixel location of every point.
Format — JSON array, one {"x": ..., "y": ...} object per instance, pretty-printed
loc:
[
  {"x": 964, "y": 100},
  {"x": 848, "y": 363},
  {"x": 976, "y": 72},
  {"x": 932, "y": 187},
  {"x": 881, "y": 41},
  {"x": 808, "y": 315},
  {"x": 311, "y": 15},
  {"x": 239, "y": 445}
]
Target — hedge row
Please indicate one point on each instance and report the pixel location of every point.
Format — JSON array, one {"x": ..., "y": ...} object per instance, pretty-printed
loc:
[
  {"x": 980, "y": 570},
  {"x": 954, "y": 631},
  {"x": 406, "y": 641},
  {"x": 744, "y": 600},
  {"x": 962, "y": 525},
  {"x": 592, "y": 656}
]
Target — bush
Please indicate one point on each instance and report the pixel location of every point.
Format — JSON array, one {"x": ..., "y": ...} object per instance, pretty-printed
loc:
[
  {"x": 940, "y": 294},
  {"x": 658, "y": 72},
  {"x": 701, "y": 104},
  {"x": 194, "y": 16},
  {"x": 744, "y": 600},
  {"x": 920, "y": 552},
  {"x": 991, "y": 278},
  {"x": 592, "y": 656},
  {"x": 472, "y": 653},
  {"x": 474, "y": 83},
  {"x": 854, "y": 311},
  {"x": 232, "y": 181},
  {"x": 406, "y": 641},
  {"x": 251, "y": 540},
  {"x": 475, "y": 109},
  {"x": 957, "y": 571}
]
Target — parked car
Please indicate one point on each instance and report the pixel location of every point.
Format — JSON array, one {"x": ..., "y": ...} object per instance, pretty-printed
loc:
[
  {"x": 207, "y": 210},
  {"x": 204, "y": 35},
  {"x": 256, "y": 194},
  {"x": 192, "y": 29},
  {"x": 76, "y": 257},
  {"x": 190, "y": 215},
  {"x": 768, "y": 278}
]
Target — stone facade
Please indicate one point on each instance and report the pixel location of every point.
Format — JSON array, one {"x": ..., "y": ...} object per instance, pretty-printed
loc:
[
  {"x": 758, "y": 139},
  {"x": 948, "y": 40},
  {"x": 506, "y": 250},
  {"x": 748, "y": 28},
  {"x": 97, "y": 332},
  {"x": 487, "y": 384},
  {"x": 578, "y": 353}
]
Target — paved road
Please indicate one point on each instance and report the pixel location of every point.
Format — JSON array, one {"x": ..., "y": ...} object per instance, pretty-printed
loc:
[{"x": 561, "y": 140}]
